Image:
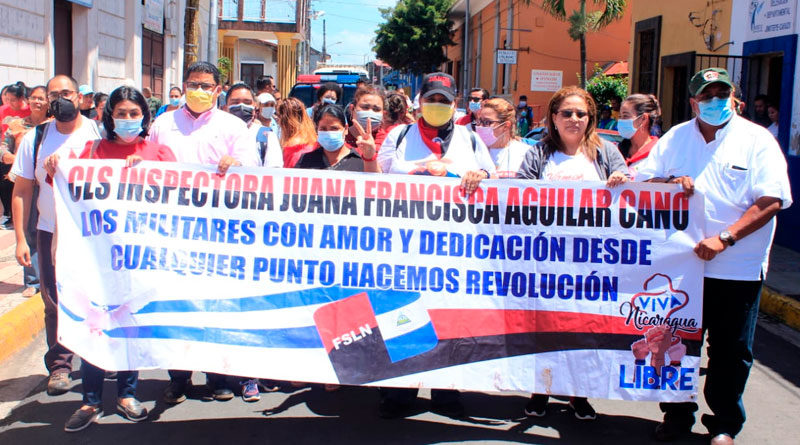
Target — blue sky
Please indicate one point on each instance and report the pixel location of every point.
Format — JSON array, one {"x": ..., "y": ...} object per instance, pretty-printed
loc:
[{"x": 352, "y": 22}]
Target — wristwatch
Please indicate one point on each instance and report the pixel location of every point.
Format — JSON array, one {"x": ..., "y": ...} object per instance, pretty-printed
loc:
[{"x": 727, "y": 238}]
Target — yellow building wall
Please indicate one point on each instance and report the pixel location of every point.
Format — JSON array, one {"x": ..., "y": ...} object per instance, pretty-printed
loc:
[
  {"x": 549, "y": 48},
  {"x": 706, "y": 32}
]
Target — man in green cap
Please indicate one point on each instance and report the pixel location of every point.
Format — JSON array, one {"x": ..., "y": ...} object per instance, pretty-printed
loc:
[{"x": 741, "y": 172}]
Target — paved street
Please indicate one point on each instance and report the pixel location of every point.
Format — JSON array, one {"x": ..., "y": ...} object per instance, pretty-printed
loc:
[{"x": 310, "y": 415}]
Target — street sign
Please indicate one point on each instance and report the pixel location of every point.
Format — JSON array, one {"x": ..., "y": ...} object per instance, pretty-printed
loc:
[
  {"x": 546, "y": 80},
  {"x": 507, "y": 56}
]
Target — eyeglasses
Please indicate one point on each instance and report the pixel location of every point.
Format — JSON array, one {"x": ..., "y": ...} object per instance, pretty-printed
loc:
[
  {"x": 203, "y": 86},
  {"x": 475, "y": 99},
  {"x": 65, "y": 94},
  {"x": 486, "y": 122},
  {"x": 566, "y": 114},
  {"x": 721, "y": 94}
]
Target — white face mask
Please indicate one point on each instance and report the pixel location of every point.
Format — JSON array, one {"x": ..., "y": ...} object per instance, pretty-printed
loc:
[{"x": 267, "y": 112}]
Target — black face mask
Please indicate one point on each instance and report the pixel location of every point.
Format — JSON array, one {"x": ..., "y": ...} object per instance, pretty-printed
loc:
[
  {"x": 63, "y": 110},
  {"x": 242, "y": 111}
]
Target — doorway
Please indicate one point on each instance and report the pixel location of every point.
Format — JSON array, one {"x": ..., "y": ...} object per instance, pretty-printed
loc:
[
  {"x": 153, "y": 62},
  {"x": 62, "y": 37},
  {"x": 250, "y": 72}
]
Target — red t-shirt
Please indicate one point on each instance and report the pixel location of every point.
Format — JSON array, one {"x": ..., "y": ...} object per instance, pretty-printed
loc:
[
  {"x": 464, "y": 120},
  {"x": 149, "y": 151},
  {"x": 292, "y": 153},
  {"x": 7, "y": 111}
]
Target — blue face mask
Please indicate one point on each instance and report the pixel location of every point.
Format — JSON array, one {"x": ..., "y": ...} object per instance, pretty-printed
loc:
[
  {"x": 330, "y": 140},
  {"x": 127, "y": 129},
  {"x": 474, "y": 106},
  {"x": 175, "y": 102},
  {"x": 328, "y": 100},
  {"x": 626, "y": 128},
  {"x": 715, "y": 111}
]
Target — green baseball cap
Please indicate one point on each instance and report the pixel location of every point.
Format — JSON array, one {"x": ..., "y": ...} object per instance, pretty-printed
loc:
[{"x": 706, "y": 77}]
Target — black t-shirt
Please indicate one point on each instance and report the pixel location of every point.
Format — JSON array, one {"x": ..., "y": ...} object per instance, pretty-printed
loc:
[
  {"x": 91, "y": 113},
  {"x": 318, "y": 161}
]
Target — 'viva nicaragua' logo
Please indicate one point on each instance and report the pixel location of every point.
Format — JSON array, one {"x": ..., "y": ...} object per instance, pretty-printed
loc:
[{"x": 654, "y": 307}]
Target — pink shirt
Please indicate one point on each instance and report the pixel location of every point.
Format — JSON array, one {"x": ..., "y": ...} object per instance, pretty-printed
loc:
[{"x": 205, "y": 139}]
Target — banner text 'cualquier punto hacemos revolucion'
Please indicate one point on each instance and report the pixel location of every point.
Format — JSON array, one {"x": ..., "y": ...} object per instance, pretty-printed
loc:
[{"x": 565, "y": 288}]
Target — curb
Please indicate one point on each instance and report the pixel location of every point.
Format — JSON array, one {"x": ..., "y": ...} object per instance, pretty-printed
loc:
[
  {"x": 780, "y": 306},
  {"x": 20, "y": 326}
]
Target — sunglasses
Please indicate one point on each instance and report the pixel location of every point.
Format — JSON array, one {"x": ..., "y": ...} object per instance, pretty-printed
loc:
[
  {"x": 475, "y": 99},
  {"x": 566, "y": 114}
]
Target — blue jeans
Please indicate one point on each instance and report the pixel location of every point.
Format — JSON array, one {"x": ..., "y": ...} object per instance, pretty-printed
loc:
[
  {"x": 730, "y": 313},
  {"x": 93, "y": 379}
]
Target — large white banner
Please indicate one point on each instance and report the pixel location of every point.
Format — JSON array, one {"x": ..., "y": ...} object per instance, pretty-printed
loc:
[{"x": 560, "y": 288}]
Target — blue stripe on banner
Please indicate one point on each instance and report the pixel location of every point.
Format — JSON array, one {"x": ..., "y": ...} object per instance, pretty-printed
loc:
[
  {"x": 305, "y": 297},
  {"x": 298, "y": 338},
  {"x": 414, "y": 343},
  {"x": 69, "y": 313},
  {"x": 383, "y": 301}
]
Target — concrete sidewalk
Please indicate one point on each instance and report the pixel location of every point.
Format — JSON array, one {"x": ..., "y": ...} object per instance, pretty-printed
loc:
[{"x": 21, "y": 319}]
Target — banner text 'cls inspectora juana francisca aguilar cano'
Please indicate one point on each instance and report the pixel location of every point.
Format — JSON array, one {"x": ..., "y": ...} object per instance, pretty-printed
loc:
[{"x": 565, "y": 288}]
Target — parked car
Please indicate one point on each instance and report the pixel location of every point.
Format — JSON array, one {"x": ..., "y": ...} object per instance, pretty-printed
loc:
[{"x": 307, "y": 85}]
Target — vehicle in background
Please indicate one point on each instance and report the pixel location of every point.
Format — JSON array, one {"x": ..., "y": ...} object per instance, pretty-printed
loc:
[
  {"x": 612, "y": 136},
  {"x": 331, "y": 68},
  {"x": 307, "y": 85}
]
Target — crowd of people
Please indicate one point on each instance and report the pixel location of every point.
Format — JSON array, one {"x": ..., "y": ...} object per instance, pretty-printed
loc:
[{"x": 736, "y": 164}]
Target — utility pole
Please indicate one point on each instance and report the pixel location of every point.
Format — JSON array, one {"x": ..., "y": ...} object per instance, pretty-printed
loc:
[
  {"x": 212, "y": 34},
  {"x": 324, "y": 48}
]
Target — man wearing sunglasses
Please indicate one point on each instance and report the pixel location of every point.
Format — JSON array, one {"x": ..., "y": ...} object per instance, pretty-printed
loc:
[
  {"x": 475, "y": 100},
  {"x": 741, "y": 172}
]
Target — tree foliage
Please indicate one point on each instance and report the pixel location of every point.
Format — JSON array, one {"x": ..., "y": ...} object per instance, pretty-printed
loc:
[
  {"x": 603, "y": 87},
  {"x": 582, "y": 22},
  {"x": 414, "y": 35}
]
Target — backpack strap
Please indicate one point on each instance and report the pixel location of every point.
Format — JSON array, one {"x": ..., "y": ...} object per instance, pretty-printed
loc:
[
  {"x": 472, "y": 139},
  {"x": 38, "y": 138},
  {"x": 402, "y": 136},
  {"x": 92, "y": 150}
]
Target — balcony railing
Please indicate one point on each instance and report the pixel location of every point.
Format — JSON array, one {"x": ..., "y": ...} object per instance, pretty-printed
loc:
[{"x": 264, "y": 11}]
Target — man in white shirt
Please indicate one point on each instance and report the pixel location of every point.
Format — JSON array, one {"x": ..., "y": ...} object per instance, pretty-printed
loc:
[
  {"x": 742, "y": 174},
  {"x": 65, "y": 137},
  {"x": 199, "y": 133}
]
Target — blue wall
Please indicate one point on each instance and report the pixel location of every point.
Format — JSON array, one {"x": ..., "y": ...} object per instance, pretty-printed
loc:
[{"x": 787, "y": 233}]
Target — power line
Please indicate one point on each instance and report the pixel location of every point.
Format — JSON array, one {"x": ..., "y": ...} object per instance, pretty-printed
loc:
[{"x": 374, "y": 22}]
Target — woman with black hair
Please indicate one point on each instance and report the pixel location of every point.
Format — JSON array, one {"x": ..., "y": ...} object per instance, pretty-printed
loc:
[
  {"x": 328, "y": 93},
  {"x": 14, "y": 105},
  {"x": 174, "y": 103},
  {"x": 126, "y": 119},
  {"x": 331, "y": 152}
]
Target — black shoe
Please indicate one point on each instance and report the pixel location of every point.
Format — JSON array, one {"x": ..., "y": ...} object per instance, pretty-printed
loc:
[
  {"x": 221, "y": 393},
  {"x": 668, "y": 431},
  {"x": 82, "y": 418},
  {"x": 134, "y": 411},
  {"x": 58, "y": 383},
  {"x": 176, "y": 391},
  {"x": 389, "y": 409},
  {"x": 537, "y": 406},
  {"x": 582, "y": 409},
  {"x": 452, "y": 409}
]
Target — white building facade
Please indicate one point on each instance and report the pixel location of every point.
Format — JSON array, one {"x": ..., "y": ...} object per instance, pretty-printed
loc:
[{"x": 102, "y": 43}]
